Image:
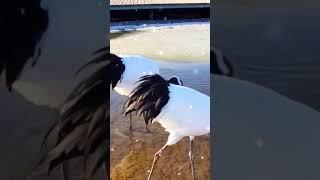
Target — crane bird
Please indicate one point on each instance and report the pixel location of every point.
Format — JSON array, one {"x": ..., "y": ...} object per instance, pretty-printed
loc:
[
  {"x": 182, "y": 111},
  {"x": 126, "y": 71},
  {"x": 221, "y": 64}
]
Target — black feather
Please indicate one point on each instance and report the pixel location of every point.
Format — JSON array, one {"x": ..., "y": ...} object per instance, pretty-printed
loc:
[
  {"x": 99, "y": 59},
  {"x": 84, "y": 126},
  {"x": 149, "y": 97}
]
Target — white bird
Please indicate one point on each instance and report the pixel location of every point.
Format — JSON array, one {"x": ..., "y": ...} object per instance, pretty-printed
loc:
[
  {"x": 134, "y": 67},
  {"x": 182, "y": 111},
  {"x": 128, "y": 69}
]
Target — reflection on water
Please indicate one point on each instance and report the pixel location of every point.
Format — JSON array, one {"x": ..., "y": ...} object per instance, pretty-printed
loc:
[{"x": 132, "y": 153}]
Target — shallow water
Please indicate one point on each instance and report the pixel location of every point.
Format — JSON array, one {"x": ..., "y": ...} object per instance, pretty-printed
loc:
[{"x": 164, "y": 41}]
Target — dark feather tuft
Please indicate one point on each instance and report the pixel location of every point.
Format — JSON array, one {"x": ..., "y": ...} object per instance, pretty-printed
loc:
[
  {"x": 149, "y": 97},
  {"x": 84, "y": 126}
]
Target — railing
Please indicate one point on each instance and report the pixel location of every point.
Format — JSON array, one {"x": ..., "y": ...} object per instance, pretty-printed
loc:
[{"x": 159, "y": 12}]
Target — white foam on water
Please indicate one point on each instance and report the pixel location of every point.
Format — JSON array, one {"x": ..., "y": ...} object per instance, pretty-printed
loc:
[{"x": 121, "y": 27}]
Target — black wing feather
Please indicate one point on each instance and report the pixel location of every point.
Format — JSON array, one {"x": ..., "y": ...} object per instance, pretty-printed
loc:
[
  {"x": 83, "y": 128},
  {"x": 148, "y": 97}
]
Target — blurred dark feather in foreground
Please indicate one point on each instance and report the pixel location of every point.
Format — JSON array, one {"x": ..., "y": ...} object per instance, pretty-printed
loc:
[
  {"x": 23, "y": 24},
  {"x": 83, "y": 130}
]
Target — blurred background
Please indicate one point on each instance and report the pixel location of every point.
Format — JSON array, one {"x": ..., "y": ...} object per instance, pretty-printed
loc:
[
  {"x": 273, "y": 44},
  {"x": 76, "y": 29}
]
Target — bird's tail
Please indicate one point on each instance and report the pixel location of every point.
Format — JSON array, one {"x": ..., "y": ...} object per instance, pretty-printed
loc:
[
  {"x": 83, "y": 128},
  {"x": 149, "y": 97}
]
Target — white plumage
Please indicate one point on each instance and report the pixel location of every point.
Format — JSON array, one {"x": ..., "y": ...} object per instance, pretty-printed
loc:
[
  {"x": 182, "y": 111},
  {"x": 135, "y": 67},
  {"x": 186, "y": 114}
]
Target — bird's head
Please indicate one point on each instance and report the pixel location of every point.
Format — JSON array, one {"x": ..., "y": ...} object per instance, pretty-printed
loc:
[
  {"x": 117, "y": 69},
  {"x": 175, "y": 80}
]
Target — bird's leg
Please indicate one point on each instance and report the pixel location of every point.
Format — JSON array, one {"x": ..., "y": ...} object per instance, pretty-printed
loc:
[
  {"x": 191, "y": 157},
  {"x": 147, "y": 129},
  {"x": 130, "y": 121},
  {"x": 155, "y": 159}
]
